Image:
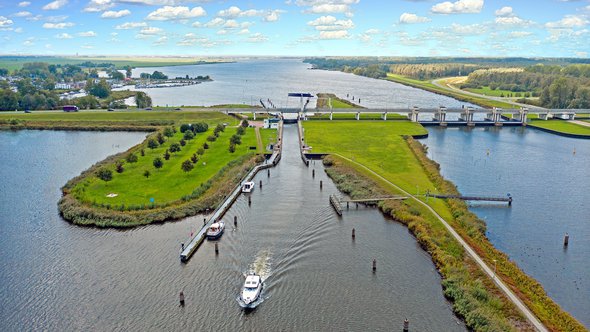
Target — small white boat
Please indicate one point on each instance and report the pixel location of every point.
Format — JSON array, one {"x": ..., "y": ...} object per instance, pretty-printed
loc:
[
  {"x": 247, "y": 187},
  {"x": 251, "y": 290},
  {"x": 215, "y": 230}
]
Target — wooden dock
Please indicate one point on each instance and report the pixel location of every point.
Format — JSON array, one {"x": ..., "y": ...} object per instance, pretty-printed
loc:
[
  {"x": 473, "y": 198},
  {"x": 372, "y": 200},
  {"x": 336, "y": 204}
]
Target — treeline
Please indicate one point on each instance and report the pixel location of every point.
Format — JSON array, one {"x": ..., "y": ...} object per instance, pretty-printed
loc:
[
  {"x": 556, "y": 87},
  {"x": 433, "y": 70}
]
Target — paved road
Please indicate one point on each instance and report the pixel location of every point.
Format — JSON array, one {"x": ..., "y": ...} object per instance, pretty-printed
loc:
[
  {"x": 511, "y": 296},
  {"x": 581, "y": 123},
  {"x": 452, "y": 88}
]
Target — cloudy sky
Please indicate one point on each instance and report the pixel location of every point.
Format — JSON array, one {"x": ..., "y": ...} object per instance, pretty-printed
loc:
[{"x": 550, "y": 28}]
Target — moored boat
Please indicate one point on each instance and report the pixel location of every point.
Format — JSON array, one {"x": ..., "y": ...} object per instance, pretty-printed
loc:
[
  {"x": 248, "y": 187},
  {"x": 215, "y": 230}
]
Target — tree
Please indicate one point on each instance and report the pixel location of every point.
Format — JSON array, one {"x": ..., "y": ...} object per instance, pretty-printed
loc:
[
  {"x": 169, "y": 131},
  {"x": 142, "y": 100},
  {"x": 100, "y": 90},
  {"x": 187, "y": 166},
  {"x": 160, "y": 138},
  {"x": 146, "y": 173},
  {"x": 167, "y": 155},
  {"x": 219, "y": 128},
  {"x": 194, "y": 158},
  {"x": 119, "y": 167},
  {"x": 105, "y": 174},
  {"x": 116, "y": 75},
  {"x": 245, "y": 124},
  {"x": 184, "y": 127},
  {"x": 241, "y": 131},
  {"x": 128, "y": 71},
  {"x": 200, "y": 151},
  {"x": 200, "y": 127},
  {"x": 211, "y": 138},
  {"x": 8, "y": 100},
  {"x": 142, "y": 152},
  {"x": 131, "y": 158},
  {"x": 174, "y": 147},
  {"x": 182, "y": 142},
  {"x": 559, "y": 91},
  {"x": 152, "y": 143},
  {"x": 205, "y": 146},
  {"x": 158, "y": 163},
  {"x": 156, "y": 75},
  {"x": 232, "y": 148},
  {"x": 188, "y": 135},
  {"x": 235, "y": 139}
]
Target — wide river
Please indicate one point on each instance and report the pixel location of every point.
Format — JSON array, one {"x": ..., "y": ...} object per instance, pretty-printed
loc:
[
  {"x": 249, "y": 81},
  {"x": 60, "y": 277},
  {"x": 551, "y": 189}
]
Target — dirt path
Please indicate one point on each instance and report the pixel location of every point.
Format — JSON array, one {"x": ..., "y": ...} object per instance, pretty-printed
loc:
[
  {"x": 259, "y": 140},
  {"x": 485, "y": 268},
  {"x": 581, "y": 123}
]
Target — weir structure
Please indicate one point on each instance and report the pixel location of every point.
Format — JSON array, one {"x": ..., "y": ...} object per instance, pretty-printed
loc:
[{"x": 465, "y": 116}]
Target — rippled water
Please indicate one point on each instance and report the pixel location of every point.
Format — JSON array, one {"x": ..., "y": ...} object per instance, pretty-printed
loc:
[
  {"x": 59, "y": 277},
  {"x": 550, "y": 185},
  {"x": 248, "y": 81}
]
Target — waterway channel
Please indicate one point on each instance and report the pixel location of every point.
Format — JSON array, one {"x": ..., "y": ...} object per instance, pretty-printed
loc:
[
  {"x": 55, "y": 276},
  {"x": 550, "y": 185}
]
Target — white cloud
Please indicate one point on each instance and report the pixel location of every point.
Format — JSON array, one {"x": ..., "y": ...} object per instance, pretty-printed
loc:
[
  {"x": 29, "y": 42},
  {"x": 62, "y": 25},
  {"x": 257, "y": 38},
  {"x": 330, "y": 23},
  {"x": 568, "y": 22},
  {"x": 244, "y": 32},
  {"x": 235, "y": 12},
  {"x": 328, "y": 8},
  {"x": 57, "y": 4},
  {"x": 5, "y": 23},
  {"x": 87, "y": 46},
  {"x": 581, "y": 54},
  {"x": 511, "y": 20},
  {"x": 64, "y": 36},
  {"x": 409, "y": 18},
  {"x": 131, "y": 25},
  {"x": 231, "y": 12},
  {"x": 98, "y": 6},
  {"x": 150, "y": 31},
  {"x": 22, "y": 14},
  {"x": 87, "y": 34},
  {"x": 169, "y": 13},
  {"x": 471, "y": 29},
  {"x": 56, "y": 19},
  {"x": 519, "y": 34},
  {"x": 458, "y": 7},
  {"x": 18, "y": 30},
  {"x": 159, "y": 2},
  {"x": 504, "y": 11},
  {"x": 24, "y": 3},
  {"x": 116, "y": 14},
  {"x": 338, "y": 34},
  {"x": 161, "y": 41},
  {"x": 272, "y": 15},
  {"x": 231, "y": 24},
  {"x": 216, "y": 22}
]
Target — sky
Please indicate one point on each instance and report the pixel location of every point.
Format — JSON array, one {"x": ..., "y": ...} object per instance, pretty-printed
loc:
[{"x": 497, "y": 28}]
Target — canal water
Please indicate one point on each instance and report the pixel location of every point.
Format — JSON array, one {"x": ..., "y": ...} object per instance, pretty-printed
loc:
[
  {"x": 249, "y": 81},
  {"x": 55, "y": 276},
  {"x": 550, "y": 185}
]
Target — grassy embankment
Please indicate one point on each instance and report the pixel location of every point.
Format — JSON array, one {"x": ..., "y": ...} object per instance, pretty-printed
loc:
[
  {"x": 486, "y": 91},
  {"x": 428, "y": 86},
  {"x": 380, "y": 147},
  {"x": 16, "y": 62},
  {"x": 337, "y": 102},
  {"x": 561, "y": 126}
]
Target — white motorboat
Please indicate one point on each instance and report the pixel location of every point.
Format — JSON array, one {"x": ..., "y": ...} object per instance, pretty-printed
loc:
[
  {"x": 247, "y": 187},
  {"x": 251, "y": 290},
  {"x": 215, "y": 230}
]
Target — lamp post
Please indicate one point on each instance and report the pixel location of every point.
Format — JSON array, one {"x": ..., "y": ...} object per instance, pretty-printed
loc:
[{"x": 495, "y": 268}]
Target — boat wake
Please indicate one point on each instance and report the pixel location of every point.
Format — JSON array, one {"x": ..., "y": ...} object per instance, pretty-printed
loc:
[{"x": 260, "y": 266}]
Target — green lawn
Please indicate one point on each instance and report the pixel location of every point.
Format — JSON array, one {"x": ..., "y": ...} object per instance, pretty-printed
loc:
[
  {"x": 494, "y": 93},
  {"x": 269, "y": 136},
  {"x": 351, "y": 116},
  {"x": 337, "y": 103},
  {"x": 379, "y": 146},
  {"x": 428, "y": 86},
  {"x": 561, "y": 126},
  {"x": 168, "y": 183}
]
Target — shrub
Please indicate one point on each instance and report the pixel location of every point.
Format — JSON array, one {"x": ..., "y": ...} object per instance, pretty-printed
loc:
[
  {"x": 211, "y": 138},
  {"x": 131, "y": 158},
  {"x": 184, "y": 127},
  {"x": 146, "y": 173},
  {"x": 174, "y": 147},
  {"x": 119, "y": 167},
  {"x": 205, "y": 146},
  {"x": 232, "y": 148},
  {"x": 201, "y": 151},
  {"x": 160, "y": 138},
  {"x": 219, "y": 128},
  {"x": 241, "y": 131},
  {"x": 182, "y": 142},
  {"x": 200, "y": 127},
  {"x": 245, "y": 124},
  {"x": 194, "y": 158},
  {"x": 167, "y": 155},
  {"x": 158, "y": 163},
  {"x": 152, "y": 144},
  {"x": 142, "y": 152},
  {"x": 187, "y": 166},
  {"x": 235, "y": 139},
  {"x": 105, "y": 174},
  {"x": 188, "y": 135}
]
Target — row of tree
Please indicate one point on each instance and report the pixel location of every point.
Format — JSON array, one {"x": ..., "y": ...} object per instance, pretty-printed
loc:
[{"x": 433, "y": 70}]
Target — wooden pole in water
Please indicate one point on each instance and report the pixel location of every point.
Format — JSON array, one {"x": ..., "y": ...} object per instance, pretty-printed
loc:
[
  {"x": 374, "y": 265},
  {"x": 182, "y": 246},
  {"x": 268, "y": 172},
  {"x": 216, "y": 249},
  {"x": 181, "y": 298},
  {"x": 566, "y": 240},
  {"x": 406, "y": 325},
  {"x": 249, "y": 200},
  {"x": 321, "y": 184},
  {"x": 235, "y": 220},
  {"x": 313, "y": 173},
  {"x": 353, "y": 233},
  {"x": 204, "y": 221},
  {"x": 260, "y": 183}
]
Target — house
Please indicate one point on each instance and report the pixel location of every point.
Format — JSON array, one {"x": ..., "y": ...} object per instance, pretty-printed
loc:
[{"x": 271, "y": 123}]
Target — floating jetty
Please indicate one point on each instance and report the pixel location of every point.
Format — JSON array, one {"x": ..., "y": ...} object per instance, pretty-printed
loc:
[{"x": 195, "y": 242}]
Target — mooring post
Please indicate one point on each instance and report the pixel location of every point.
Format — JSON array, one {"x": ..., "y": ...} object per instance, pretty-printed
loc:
[
  {"x": 216, "y": 249},
  {"x": 235, "y": 220},
  {"x": 353, "y": 235},
  {"x": 182, "y": 246},
  {"x": 406, "y": 325},
  {"x": 347, "y": 205},
  {"x": 374, "y": 265},
  {"x": 510, "y": 201},
  {"x": 181, "y": 298},
  {"x": 321, "y": 184},
  {"x": 260, "y": 183},
  {"x": 566, "y": 239},
  {"x": 313, "y": 173},
  {"x": 268, "y": 172},
  {"x": 249, "y": 200},
  {"x": 204, "y": 221},
  {"x": 357, "y": 205}
]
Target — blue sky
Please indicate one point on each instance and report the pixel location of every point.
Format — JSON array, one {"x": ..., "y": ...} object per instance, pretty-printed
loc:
[{"x": 534, "y": 28}]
